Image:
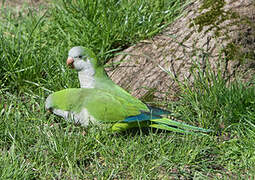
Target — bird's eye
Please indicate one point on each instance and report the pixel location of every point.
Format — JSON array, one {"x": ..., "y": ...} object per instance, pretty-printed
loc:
[{"x": 80, "y": 57}]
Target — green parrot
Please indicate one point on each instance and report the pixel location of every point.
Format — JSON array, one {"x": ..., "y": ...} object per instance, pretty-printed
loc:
[{"x": 100, "y": 100}]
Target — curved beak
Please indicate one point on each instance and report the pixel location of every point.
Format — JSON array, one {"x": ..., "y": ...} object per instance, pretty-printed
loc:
[{"x": 69, "y": 62}]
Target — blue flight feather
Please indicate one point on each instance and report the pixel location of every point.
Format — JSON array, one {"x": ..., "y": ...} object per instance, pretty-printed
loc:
[
  {"x": 158, "y": 111},
  {"x": 145, "y": 116},
  {"x": 155, "y": 113}
]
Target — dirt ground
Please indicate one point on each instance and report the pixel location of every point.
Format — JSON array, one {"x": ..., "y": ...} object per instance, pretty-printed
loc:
[{"x": 18, "y": 4}]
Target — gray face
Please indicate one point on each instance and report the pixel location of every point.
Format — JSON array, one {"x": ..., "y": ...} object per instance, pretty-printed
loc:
[
  {"x": 76, "y": 52},
  {"x": 80, "y": 62}
]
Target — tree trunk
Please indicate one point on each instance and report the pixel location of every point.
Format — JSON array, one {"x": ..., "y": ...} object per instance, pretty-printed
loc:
[{"x": 208, "y": 33}]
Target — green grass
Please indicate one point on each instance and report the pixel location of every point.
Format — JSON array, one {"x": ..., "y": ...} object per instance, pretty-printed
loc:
[{"x": 38, "y": 145}]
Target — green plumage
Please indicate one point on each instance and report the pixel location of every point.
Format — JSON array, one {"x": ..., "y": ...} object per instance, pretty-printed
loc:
[
  {"x": 102, "y": 101},
  {"x": 103, "y": 106}
]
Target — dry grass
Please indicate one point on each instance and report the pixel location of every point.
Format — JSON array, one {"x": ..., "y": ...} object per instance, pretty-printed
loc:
[{"x": 21, "y": 6}]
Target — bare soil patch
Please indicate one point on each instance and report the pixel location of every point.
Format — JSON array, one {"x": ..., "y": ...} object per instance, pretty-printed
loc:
[{"x": 20, "y": 3}]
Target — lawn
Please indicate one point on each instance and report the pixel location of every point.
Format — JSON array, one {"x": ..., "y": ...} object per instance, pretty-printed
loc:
[{"x": 35, "y": 144}]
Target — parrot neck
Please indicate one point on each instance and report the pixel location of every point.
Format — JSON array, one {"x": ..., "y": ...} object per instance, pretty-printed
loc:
[
  {"x": 86, "y": 81},
  {"x": 87, "y": 77}
]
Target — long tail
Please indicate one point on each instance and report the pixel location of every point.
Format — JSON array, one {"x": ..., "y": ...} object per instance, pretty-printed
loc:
[{"x": 175, "y": 126}]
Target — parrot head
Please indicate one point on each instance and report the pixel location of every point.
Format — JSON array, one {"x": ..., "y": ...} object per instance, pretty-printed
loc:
[
  {"x": 81, "y": 59},
  {"x": 85, "y": 62}
]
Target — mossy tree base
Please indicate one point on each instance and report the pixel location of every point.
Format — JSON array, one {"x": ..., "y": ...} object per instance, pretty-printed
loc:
[{"x": 214, "y": 34}]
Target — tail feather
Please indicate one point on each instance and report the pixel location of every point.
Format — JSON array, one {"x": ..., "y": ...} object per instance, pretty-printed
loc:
[
  {"x": 169, "y": 122},
  {"x": 169, "y": 128}
]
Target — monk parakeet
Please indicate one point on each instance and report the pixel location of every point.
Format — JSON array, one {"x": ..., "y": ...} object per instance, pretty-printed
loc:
[{"x": 100, "y": 100}]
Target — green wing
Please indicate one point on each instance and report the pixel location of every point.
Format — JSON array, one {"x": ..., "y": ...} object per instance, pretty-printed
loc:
[
  {"x": 107, "y": 85},
  {"x": 103, "y": 106}
]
